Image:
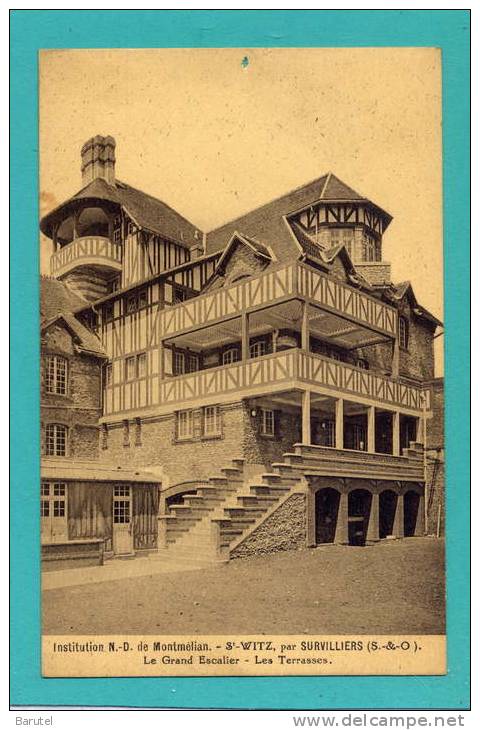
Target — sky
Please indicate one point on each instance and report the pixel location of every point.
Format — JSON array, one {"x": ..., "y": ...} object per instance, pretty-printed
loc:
[{"x": 217, "y": 132}]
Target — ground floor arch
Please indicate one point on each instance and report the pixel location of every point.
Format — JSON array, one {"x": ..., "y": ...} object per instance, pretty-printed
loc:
[
  {"x": 387, "y": 509},
  {"x": 327, "y": 502},
  {"x": 359, "y": 511},
  {"x": 359, "y": 507}
]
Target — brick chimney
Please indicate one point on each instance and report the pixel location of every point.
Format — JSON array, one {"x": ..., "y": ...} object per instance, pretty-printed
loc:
[{"x": 98, "y": 159}]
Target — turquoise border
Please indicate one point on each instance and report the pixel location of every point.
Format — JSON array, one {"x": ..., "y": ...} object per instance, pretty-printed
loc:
[{"x": 35, "y": 29}]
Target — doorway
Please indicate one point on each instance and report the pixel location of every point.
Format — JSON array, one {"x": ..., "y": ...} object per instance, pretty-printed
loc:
[{"x": 122, "y": 520}]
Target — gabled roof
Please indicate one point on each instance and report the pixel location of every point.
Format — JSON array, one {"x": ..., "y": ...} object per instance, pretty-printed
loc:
[
  {"x": 56, "y": 297},
  {"x": 57, "y": 302},
  {"x": 335, "y": 189},
  {"x": 316, "y": 253},
  {"x": 148, "y": 212},
  {"x": 268, "y": 222},
  {"x": 403, "y": 289},
  {"x": 259, "y": 249},
  {"x": 85, "y": 340}
]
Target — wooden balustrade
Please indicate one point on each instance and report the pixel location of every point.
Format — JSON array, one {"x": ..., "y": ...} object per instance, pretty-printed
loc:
[
  {"x": 94, "y": 249},
  {"x": 286, "y": 370},
  {"x": 282, "y": 284}
]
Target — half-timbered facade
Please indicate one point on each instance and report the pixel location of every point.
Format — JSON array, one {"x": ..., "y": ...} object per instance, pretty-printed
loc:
[{"x": 277, "y": 341}]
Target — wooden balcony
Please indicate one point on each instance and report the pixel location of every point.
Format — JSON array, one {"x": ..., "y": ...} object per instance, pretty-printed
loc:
[
  {"x": 292, "y": 281},
  {"x": 283, "y": 371},
  {"x": 96, "y": 251}
]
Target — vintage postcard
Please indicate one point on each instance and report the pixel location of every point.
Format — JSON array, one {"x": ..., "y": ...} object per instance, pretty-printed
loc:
[{"x": 241, "y": 337}]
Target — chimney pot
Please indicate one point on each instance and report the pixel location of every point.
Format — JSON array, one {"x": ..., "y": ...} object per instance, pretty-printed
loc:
[{"x": 98, "y": 159}]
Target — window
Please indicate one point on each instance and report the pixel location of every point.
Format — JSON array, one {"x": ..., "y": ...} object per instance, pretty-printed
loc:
[
  {"x": 130, "y": 368},
  {"x": 348, "y": 241},
  {"x": 131, "y": 303},
  {"x": 258, "y": 349},
  {"x": 121, "y": 504},
  {"x": 361, "y": 363},
  {"x": 403, "y": 332},
  {"x": 178, "y": 363},
  {"x": 231, "y": 355},
  {"x": 185, "y": 424},
  {"x": 142, "y": 364},
  {"x": 56, "y": 440},
  {"x": 142, "y": 298},
  {"x": 335, "y": 355},
  {"x": 179, "y": 294},
  {"x": 136, "y": 301},
  {"x": 108, "y": 312},
  {"x": 371, "y": 250},
  {"x": 211, "y": 421},
  {"x": 56, "y": 375},
  {"x": 193, "y": 363},
  {"x": 108, "y": 375},
  {"x": 267, "y": 423},
  {"x": 53, "y": 511},
  {"x": 334, "y": 236}
]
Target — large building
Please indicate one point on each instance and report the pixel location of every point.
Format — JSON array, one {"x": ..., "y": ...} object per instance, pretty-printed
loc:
[{"x": 260, "y": 387}]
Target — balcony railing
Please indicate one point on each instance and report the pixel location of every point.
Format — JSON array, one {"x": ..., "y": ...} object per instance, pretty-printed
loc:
[
  {"x": 282, "y": 371},
  {"x": 91, "y": 250},
  {"x": 282, "y": 284}
]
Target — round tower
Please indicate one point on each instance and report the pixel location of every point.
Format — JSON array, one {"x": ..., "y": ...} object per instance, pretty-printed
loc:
[{"x": 87, "y": 230}]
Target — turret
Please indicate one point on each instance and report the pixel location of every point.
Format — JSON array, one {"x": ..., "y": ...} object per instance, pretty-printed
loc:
[{"x": 86, "y": 230}]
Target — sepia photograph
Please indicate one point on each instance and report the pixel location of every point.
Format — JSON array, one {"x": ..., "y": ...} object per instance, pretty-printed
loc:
[{"x": 241, "y": 342}]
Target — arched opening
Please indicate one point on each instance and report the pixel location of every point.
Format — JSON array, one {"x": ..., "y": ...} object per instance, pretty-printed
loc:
[
  {"x": 326, "y": 512},
  {"x": 411, "y": 505},
  {"x": 387, "y": 508},
  {"x": 359, "y": 504}
]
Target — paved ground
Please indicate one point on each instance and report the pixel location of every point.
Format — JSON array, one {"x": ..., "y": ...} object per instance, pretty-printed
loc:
[{"x": 390, "y": 587}]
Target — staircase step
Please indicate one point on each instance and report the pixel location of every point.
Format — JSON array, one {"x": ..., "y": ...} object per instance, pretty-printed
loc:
[{"x": 253, "y": 500}]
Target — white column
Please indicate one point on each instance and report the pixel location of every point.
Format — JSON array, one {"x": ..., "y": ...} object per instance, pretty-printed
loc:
[
  {"x": 305, "y": 344},
  {"x": 396, "y": 434},
  {"x": 341, "y": 532},
  {"x": 306, "y": 422},
  {"x": 245, "y": 338},
  {"x": 339, "y": 423},
  {"x": 371, "y": 430},
  {"x": 373, "y": 532}
]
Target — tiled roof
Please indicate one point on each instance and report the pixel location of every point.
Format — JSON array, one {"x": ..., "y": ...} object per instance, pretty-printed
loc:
[
  {"x": 268, "y": 222},
  {"x": 56, "y": 297},
  {"x": 400, "y": 290},
  {"x": 148, "y": 212},
  {"x": 57, "y": 301}
]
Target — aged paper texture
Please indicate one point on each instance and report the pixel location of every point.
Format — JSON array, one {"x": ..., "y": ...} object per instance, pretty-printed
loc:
[{"x": 241, "y": 358}]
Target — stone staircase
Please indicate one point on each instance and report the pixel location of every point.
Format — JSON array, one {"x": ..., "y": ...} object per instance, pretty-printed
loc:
[
  {"x": 208, "y": 525},
  {"x": 228, "y": 507}
]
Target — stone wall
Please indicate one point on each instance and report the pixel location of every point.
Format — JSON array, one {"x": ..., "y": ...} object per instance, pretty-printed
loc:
[
  {"x": 435, "y": 461},
  {"x": 285, "y": 529},
  {"x": 261, "y": 449},
  {"x": 152, "y": 443},
  {"x": 79, "y": 409}
]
